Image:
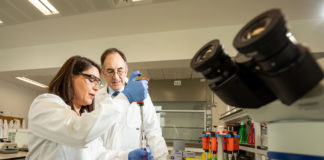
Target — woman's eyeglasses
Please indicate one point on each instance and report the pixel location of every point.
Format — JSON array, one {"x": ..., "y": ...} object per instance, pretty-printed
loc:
[{"x": 92, "y": 78}]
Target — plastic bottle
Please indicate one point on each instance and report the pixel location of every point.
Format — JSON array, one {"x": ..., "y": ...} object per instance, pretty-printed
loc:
[
  {"x": 209, "y": 156},
  {"x": 243, "y": 134},
  {"x": 251, "y": 137},
  {"x": 1, "y": 128},
  {"x": 5, "y": 129},
  {"x": 24, "y": 124}
]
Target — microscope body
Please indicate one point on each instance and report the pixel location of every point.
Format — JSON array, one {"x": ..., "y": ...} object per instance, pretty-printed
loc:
[
  {"x": 309, "y": 107},
  {"x": 294, "y": 131}
]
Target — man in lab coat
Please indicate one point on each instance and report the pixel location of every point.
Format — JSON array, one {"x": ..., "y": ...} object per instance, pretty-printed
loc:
[{"x": 126, "y": 134}]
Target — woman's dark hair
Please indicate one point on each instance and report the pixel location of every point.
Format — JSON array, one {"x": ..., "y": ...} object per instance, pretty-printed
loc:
[
  {"x": 109, "y": 51},
  {"x": 62, "y": 85}
]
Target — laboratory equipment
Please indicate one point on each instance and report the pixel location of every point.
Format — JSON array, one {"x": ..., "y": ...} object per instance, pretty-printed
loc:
[
  {"x": 225, "y": 142},
  {"x": 1, "y": 128},
  {"x": 143, "y": 138},
  {"x": 213, "y": 144},
  {"x": 22, "y": 139},
  {"x": 251, "y": 136},
  {"x": 236, "y": 145},
  {"x": 205, "y": 142},
  {"x": 274, "y": 80},
  {"x": 243, "y": 134},
  {"x": 221, "y": 143},
  {"x": 8, "y": 147},
  {"x": 230, "y": 145}
]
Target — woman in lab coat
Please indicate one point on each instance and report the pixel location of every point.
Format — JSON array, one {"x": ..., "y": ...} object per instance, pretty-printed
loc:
[{"x": 63, "y": 123}]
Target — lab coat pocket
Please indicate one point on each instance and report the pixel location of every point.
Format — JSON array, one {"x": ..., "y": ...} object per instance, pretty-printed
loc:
[{"x": 133, "y": 116}]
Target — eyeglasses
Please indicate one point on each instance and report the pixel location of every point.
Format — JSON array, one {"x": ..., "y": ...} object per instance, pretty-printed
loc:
[
  {"x": 111, "y": 72},
  {"x": 92, "y": 78}
]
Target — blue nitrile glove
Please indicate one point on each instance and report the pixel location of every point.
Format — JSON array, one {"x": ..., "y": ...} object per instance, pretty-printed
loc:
[
  {"x": 149, "y": 150},
  {"x": 150, "y": 157},
  {"x": 137, "y": 154},
  {"x": 135, "y": 90}
]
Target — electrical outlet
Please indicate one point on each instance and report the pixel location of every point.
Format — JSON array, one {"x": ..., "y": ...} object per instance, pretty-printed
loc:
[{"x": 177, "y": 83}]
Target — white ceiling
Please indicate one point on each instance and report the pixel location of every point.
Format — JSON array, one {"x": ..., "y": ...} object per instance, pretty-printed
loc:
[
  {"x": 89, "y": 19},
  {"x": 21, "y": 11},
  {"x": 24, "y": 25}
]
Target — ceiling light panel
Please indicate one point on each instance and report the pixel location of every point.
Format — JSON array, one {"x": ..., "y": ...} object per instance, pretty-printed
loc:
[
  {"x": 45, "y": 7},
  {"x": 32, "y": 82},
  {"x": 50, "y": 6}
]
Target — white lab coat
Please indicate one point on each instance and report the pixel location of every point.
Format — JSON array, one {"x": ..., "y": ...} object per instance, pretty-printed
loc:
[
  {"x": 125, "y": 135},
  {"x": 57, "y": 133}
]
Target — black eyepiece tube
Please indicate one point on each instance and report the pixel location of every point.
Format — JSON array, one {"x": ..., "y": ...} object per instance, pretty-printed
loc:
[
  {"x": 233, "y": 82},
  {"x": 286, "y": 68}
]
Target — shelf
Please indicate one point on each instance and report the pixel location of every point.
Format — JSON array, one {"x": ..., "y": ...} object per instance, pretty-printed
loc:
[
  {"x": 192, "y": 149},
  {"x": 182, "y": 111},
  {"x": 182, "y": 139},
  {"x": 234, "y": 116},
  {"x": 9, "y": 118},
  {"x": 251, "y": 148},
  {"x": 182, "y": 127}
]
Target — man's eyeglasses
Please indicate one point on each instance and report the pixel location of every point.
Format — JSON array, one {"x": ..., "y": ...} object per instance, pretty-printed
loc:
[
  {"x": 111, "y": 72},
  {"x": 92, "y": 78}
]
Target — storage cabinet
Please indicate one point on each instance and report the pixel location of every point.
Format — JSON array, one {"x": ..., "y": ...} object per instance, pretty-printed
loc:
[{"x": 183, "y": 121}]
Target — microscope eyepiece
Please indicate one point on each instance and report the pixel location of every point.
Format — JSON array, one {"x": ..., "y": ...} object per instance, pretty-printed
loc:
[
  {"x": 235, "y": 86},
  {"x": 268, "y": 66},
  {"x": 280, "y": 62},
  {"x": 213, "y": 62},
  {"x": 263, "y": 36}
]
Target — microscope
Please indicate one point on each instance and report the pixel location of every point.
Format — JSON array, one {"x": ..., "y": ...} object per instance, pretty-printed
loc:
[{"x": 273, "y": 79}]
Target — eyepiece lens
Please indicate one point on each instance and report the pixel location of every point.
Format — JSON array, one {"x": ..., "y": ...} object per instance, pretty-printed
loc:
[
  {"x": 256, "y": 29},
  {"x": 255, "y": 32},
  {"x": 206, "y": 53}
]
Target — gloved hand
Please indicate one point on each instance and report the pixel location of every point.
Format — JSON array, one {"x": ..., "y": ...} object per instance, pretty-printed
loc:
[
  {"x": 137, "y": 154},
  {"x": 149, "y": 156},
  {"x": 135, "y": 90}
]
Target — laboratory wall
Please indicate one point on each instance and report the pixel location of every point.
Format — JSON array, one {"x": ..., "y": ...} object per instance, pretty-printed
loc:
[
  {"x": 189, "y": 90},
  {"x": 218, "y": 107},
  {"x": 15, "y": 99}
]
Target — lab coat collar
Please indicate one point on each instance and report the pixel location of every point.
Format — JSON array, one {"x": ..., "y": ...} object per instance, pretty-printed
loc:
[{"x": 111, "y": 91}]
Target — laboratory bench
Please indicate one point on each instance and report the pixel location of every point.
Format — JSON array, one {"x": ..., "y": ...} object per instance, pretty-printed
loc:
[
  {"x": 197, "y": 151},
  {"x": 21, "y": 155}
]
